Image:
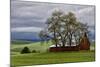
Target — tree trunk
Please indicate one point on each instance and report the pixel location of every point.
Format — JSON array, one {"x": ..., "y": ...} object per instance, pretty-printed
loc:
[
  {"x": 70, "y": 40},
  {"x": 63, "y": 43},
  {"x": 75, "y": 39},
  {"x": 55, "y": 38},
  {"x": 56, "y": 43}
]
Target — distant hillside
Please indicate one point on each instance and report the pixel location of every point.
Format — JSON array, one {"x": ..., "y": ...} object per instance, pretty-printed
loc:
[
  {"x": 33, "y": 36},
  {"x": 20, "y": 42},
  {"x": 91, "y": 36},
  {"x": 25, "y": 36}
]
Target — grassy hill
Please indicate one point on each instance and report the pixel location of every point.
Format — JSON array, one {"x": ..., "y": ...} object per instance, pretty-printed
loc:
[
  {"x": 42, "y": 56},
  {"x": 38, "y": 46}
]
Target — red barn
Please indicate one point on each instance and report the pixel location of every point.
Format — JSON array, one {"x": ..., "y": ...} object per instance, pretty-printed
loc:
[{"x": 84, "y": 45}]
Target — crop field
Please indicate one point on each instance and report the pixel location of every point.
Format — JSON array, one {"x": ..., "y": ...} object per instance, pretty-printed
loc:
[{"x": 42, "y": 56}]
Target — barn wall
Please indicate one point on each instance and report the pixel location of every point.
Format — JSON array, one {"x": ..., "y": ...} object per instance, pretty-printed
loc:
[{"x": 69, "y": 48}]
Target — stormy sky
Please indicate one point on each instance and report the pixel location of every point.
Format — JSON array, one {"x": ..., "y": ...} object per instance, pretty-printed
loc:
[{"x": 29, "y": 16}]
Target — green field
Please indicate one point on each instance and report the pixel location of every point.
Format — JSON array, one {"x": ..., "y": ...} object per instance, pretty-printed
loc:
[{"x": 42, "y": 56}]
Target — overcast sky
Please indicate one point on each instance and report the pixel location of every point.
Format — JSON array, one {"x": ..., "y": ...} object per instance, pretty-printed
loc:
[{"x": 28, "y": 16}]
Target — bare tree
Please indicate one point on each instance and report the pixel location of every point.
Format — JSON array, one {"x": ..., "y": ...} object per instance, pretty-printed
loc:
[
  {"x": 75, "y": 28},
  {"x": 64, "y": 28},
  {"x": 43, "y": 36},
  {"x": 53, "y": 25}
]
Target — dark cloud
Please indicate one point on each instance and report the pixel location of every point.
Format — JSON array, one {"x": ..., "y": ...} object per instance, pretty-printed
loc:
[{"x": 34, "y": 14}]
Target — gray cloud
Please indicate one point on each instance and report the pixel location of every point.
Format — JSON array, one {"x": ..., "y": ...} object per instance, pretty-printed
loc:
[{"x": 34, "y": 14}]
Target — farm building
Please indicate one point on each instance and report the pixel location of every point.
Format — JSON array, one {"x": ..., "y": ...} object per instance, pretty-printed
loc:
[{"x": 83, "y": 45}]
